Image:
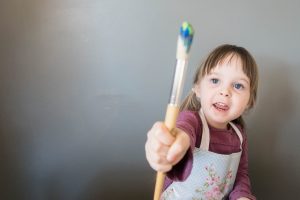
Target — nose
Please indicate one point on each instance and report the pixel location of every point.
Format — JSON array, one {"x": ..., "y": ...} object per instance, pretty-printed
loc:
[{"x": 225, "y": 92}]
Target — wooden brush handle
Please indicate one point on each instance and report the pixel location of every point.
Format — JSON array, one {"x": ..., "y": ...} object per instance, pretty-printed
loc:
[
  {"x": 170, "y": 122},
  {"x": 171, "y": 117},
  {"x": 160, "y": 179}
]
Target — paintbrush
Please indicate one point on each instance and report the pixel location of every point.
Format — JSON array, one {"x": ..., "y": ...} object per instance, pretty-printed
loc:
[{"x": 184, "y": 42}]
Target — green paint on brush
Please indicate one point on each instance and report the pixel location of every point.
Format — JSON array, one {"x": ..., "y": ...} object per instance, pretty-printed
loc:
[
  {"x": 184, "y": 42},
  {"x": 186, "y": 35}
]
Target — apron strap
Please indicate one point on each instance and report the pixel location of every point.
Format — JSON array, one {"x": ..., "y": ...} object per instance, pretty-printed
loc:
[
  {"x": 238, "y": 132},
  {"x": 205, "y": 132},
  {"x": 206, "y": 136}
]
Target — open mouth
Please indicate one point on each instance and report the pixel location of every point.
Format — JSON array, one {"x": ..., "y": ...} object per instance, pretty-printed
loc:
[{"x": 221, "y": 106}]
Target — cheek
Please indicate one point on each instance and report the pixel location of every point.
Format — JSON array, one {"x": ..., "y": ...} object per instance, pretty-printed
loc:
[
  {"x": 244, "y": 101},
  {"x": 206, "y": 97},
  {"x": 199, "y": 90}
]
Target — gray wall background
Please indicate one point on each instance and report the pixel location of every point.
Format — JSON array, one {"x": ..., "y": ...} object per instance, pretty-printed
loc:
[{"x": 82, "y": 81}]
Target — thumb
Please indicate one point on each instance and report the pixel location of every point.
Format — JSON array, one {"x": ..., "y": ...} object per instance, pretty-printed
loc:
[{"x": 178, "y": 148}]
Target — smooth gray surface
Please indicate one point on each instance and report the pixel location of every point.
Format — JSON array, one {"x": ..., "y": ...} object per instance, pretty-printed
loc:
[{"x": 82, "y": 81}]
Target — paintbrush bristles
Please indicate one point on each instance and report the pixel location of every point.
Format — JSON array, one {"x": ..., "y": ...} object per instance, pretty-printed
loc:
[{"x": 184, "y": 42}]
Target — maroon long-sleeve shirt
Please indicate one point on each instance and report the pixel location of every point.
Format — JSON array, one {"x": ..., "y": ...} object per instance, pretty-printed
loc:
[{"x": 222, "y": 142}]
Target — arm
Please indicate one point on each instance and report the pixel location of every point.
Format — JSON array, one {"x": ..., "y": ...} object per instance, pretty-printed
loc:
[
  {"x": 242, "y": 187},
  {"x": 188, "y": 122}
]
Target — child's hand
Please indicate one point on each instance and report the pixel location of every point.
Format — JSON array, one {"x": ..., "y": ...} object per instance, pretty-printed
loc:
[{"x": 163, "y": 150}]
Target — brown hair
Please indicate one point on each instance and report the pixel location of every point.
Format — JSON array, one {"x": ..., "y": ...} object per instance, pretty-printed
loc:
[{"x": 216, "y": 56}]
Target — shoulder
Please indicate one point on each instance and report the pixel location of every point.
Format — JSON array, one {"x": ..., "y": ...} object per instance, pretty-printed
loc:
[
  {"x": 189, "y": 116},
  {"x": 242, "y": 130},
  {"x": 190, "y": 123},
  {"x": 189, "y": 120}
]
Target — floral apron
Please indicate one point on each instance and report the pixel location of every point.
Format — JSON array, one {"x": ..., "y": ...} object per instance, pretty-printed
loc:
[{"x": 212, "y": 175}]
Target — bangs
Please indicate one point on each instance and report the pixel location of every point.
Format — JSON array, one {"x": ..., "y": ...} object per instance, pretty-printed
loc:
[{"x": 220, "y": 54}]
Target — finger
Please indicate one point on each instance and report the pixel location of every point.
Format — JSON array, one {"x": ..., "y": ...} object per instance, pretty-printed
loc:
[
  {"x": 155, "y": 145},
  {"x": 162, "y": 133},
  {"x": 161, "y": 168},
  {"x": 179, "y": 147},
  {"x": 153, "y": 156},
  {"x": 158, "y": 163}
]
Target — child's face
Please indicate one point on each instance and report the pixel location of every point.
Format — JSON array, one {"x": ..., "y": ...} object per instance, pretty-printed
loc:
[{"x": 224, "y": 93}]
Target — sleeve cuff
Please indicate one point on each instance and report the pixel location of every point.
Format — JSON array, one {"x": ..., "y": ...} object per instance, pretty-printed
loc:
[{"x": 182, "y": 170}]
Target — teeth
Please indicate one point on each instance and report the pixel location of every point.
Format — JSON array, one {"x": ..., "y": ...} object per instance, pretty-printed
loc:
[{"x": 220, "y": 105}]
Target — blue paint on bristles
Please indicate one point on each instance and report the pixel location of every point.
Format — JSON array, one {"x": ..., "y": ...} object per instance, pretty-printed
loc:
[{"x": 186, "y": 34}]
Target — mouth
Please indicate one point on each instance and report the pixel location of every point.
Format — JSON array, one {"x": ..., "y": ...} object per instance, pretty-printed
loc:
[{"x": 221, "y": 106}]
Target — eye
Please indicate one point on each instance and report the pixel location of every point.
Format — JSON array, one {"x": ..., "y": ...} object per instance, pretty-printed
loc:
[
  {"x": 238, "y": 86},
  {"x": 214, "y": 80}
]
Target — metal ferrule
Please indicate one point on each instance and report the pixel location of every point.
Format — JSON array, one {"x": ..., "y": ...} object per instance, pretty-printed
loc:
[{"x": 178, "y": 82}]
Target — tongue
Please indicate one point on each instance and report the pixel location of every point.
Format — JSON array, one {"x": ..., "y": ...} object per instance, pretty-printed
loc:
[{"x": 221, "y": 106}]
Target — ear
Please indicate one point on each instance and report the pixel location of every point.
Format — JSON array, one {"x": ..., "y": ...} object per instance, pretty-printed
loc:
[
  {"x": 250, "y": 104},
  {"x": 196, "y": 90},
  {"x": 248, "y": 107}
]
